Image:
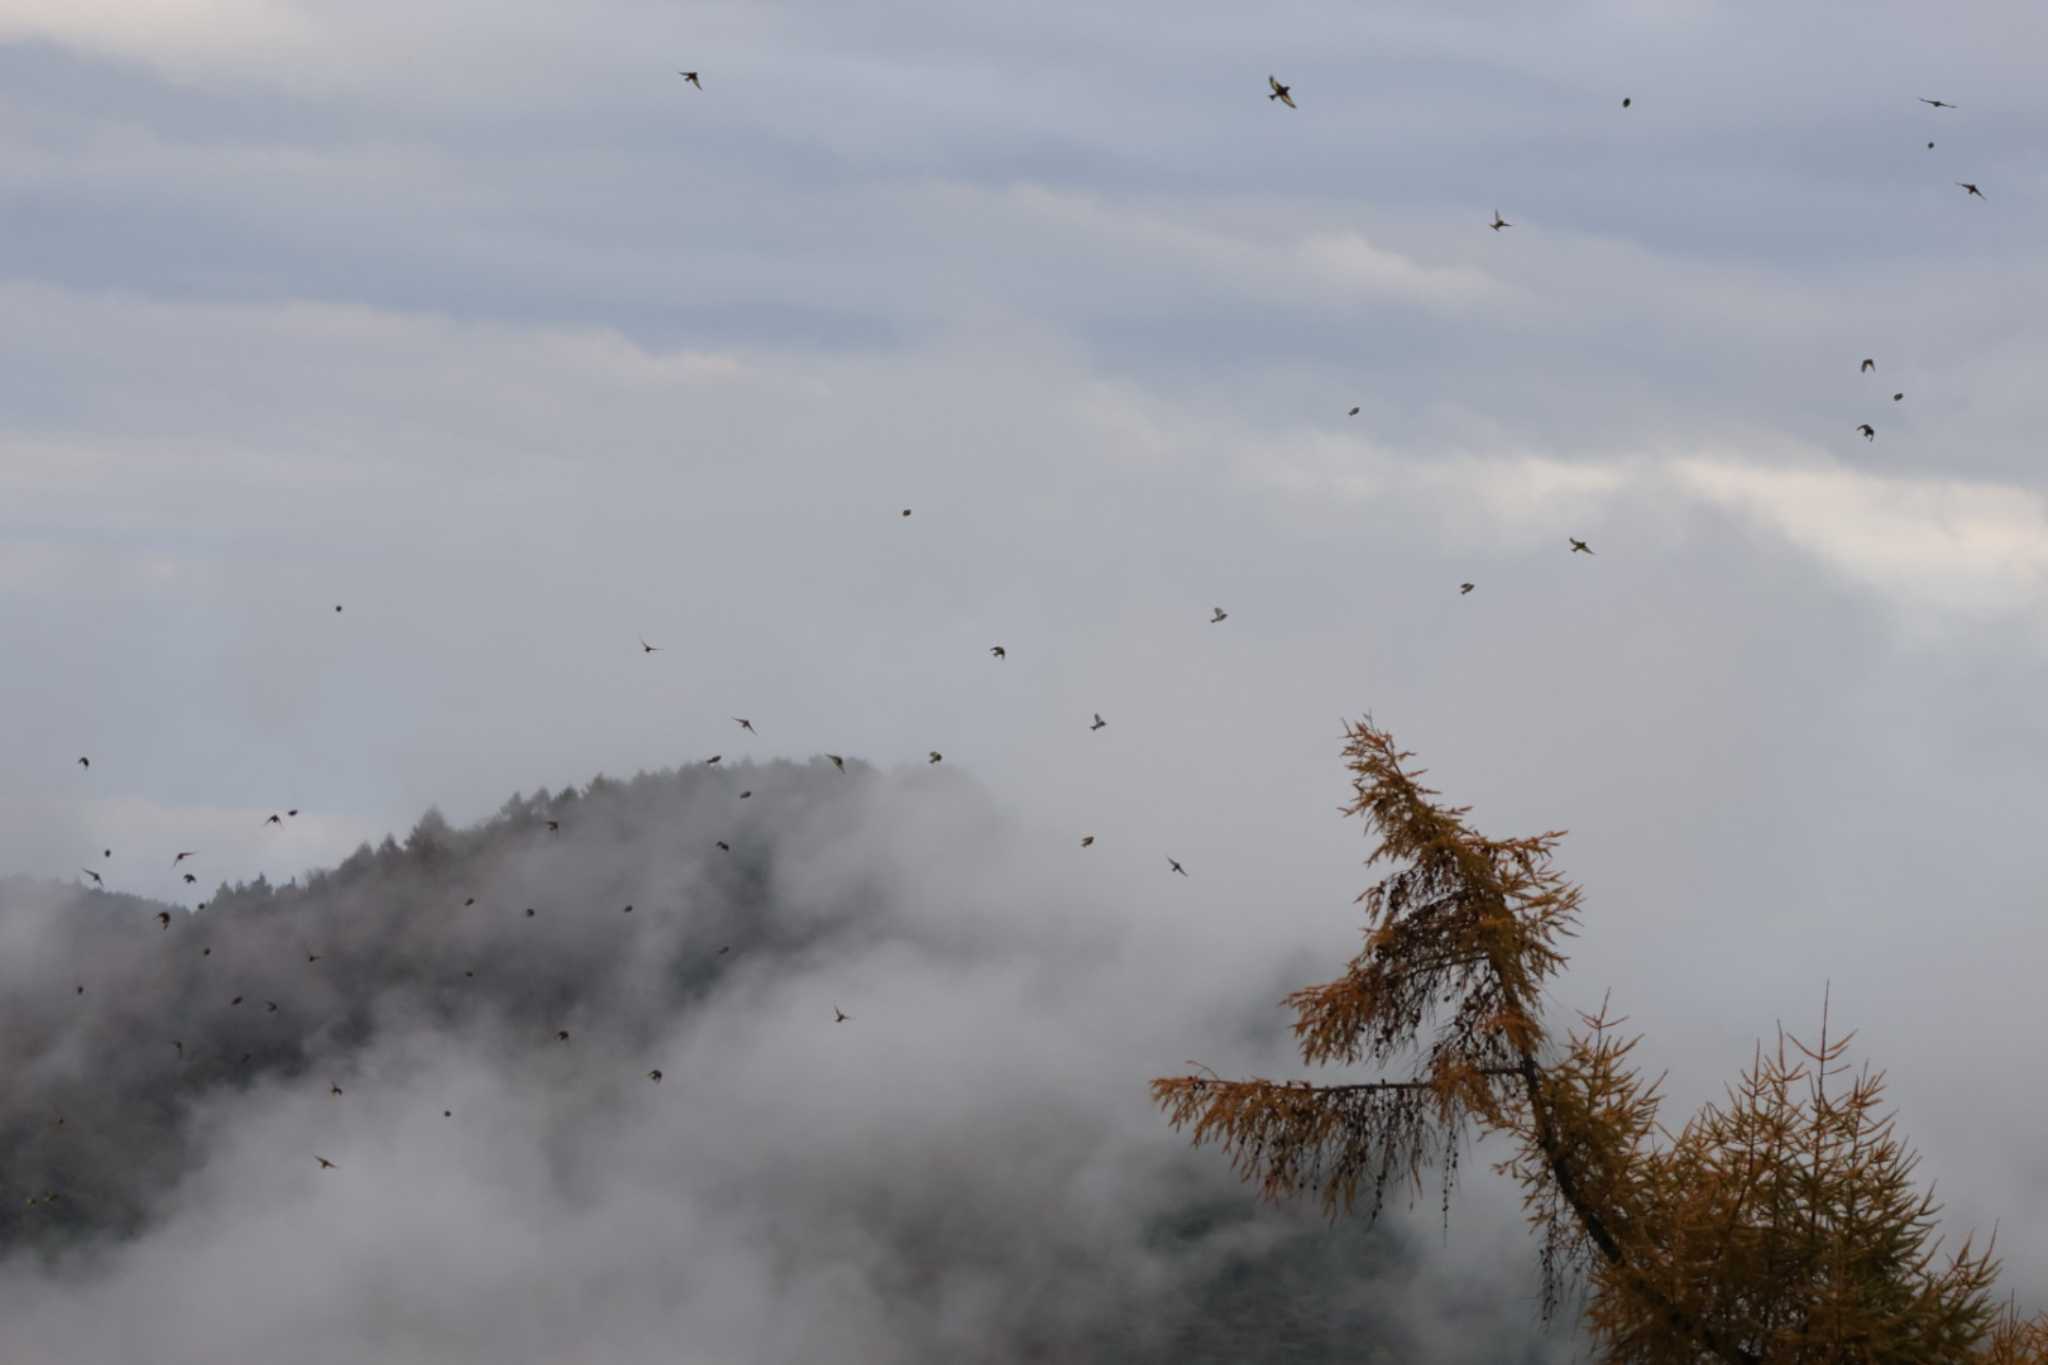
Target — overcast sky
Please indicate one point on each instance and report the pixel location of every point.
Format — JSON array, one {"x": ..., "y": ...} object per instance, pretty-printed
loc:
[{"x": 476, "y": 320}]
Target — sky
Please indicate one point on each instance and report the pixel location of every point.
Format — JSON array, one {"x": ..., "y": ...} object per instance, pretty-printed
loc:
[{"x": 483, "y": 325}]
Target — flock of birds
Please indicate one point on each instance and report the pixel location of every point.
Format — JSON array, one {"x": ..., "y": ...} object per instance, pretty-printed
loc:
[{"x": 1277, "y": 92}]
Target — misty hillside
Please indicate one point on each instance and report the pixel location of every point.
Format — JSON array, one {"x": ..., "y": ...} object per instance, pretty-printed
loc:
[{"x": 155, "y": 1075}]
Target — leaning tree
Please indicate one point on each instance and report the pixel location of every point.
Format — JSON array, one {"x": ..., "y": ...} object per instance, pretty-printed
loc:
[{"x": 1781, "y": 1225}]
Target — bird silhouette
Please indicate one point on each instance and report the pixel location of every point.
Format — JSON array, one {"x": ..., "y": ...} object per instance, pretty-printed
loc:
[
  {"x": 1352, "y": 413},
  {"x": 1281, "y": 93},
  {"x": 1176, "y": 867},
  {"x": 274, "y": 820},
  {"x": 312, "y": 957},
  {"x": 106, "y": 853},
  {"x": 292, "y": 814},
  {"x": 325, "y": 1164},
  {"x": 179, "y": 1045},
  {"x": 96, "y": 879},
  {"x": 1499, "y": 222},
  {"x": 745, "y": 794},
  {"x": 191, "y": 880},
  {"x": 724, "y": 847},
  {"x": 712, "y": 761},
  {"x": 1626, "y": 101},
  {"x": 655, "y": 1076},
  {"x": 529, "y": 912},
  {"x": 935, "y": 757},
  {"x": 1217, "y": 616},
  {"x": 1898, "y": 397},
  {"x": 163, "y": 919},
  {"x": 1099, "y": 722},
  {"x": 270, "y": 1007},
  {"x": 337, "y": 606},
  {"x": 1464, "y": 588},
  {"x": 906, "y": 511},
  {"x": 561, "y": 1035},
  {"x": 627, "y": 911},
  {"x": 839, "y": 1016},
  {"x": 646, "y": 648},
  {"x": 1971, "y": 188},
  {"x": 1867, "y": 432},
  {"x": 1579, "y": 547},
  {"x": 1930, "y": 146},
  {"x": 1087, "y": 841},
  {"x": 469, "y": 902},
  {"x": 691, "y": 77},
  {"x": 205, "y": 952},
  {"x": 85, "y": 763},
  {"x": 723, "y": 951},
  {"x": 1868, "y": 365},
  {"x": 837, "y": 762},
  {"x": 182, "y": 857},
  {"x": 1939, "y": 104},
  {"x": 447, "y": 1113},
  {"x": 236, "y": 1001},
  {"x": 554, "y": 826},
  {"x": 333, "y": 1089},
  {"x": 999, "y": 652},
  {"x": 81, "y": 989},
  {"x": 745, "y": 724}
]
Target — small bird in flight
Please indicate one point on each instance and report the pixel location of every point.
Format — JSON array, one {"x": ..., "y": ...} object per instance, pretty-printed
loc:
[
  {"x": 1281, "y": 93},
  {"x": 163, "y": 919},
  {"x": 655, "y": 1076},
  {"x": 691, "y": 77},
  {"x": 85, "y": 763},
  {"x": 999, "y": 652},
  {"x": 837, "y": 762},
  {"x": 561, "y": 1035},
  {"x": 554, "y": 826},
  {"x": 744, "y": 795},
  {"x": 1176, "y": 867},
  {"x": 1087, "y": 841},
  {"x": 1499, "y": 222},
  {"x": 1579, "y": 547},
  {"x": 1868, "y": 365},
  {"x": 236, "y": 1001},
  {"x": 1352, "y": 413},
  {"x": 936, "y": 756},
  {"x": 723, "y": 951},
  {"x": 1099, "y": 722},
  {"x": 724, "y": 847},
  {"x": 646, "y": 648},
  {"x": 1218, "y": 615},
  {"x": 1971, "y": 188},
  {"x": 333, "y": 1089},
  {"x": 906, "y": 511},
  {"x": 274, "y": 820},
  {"x": 529, "y": 912},
  {"x": 1867, "y": 432},
  {"x": 712, "y": 761},
  {"x": 1464, "y": 588},
  {"x": 292, "y": 814},
  {"x": 325, "y": 1164},
  {"x": 96, "y": 881},
  {"x": 745, "y": 724},
  {"x": 270, "y": 1007},
  {"x": 627, "y": 911},
  {"x": 178, "y": 1044},
  {"x": 182, "y": 857},
  {"x": 1939, "y": 104},
  {"x": 1626, "y": 101},
  {"x": 469, "y": 902},
  {"x": 1898, "y": 397},
  {"x": 312, "y": 957},
  {"x": 191, "y": 880},
  {"x": 839, "y": 1016}
]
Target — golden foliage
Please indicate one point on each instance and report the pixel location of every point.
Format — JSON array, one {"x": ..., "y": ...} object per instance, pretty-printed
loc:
[{"x": 1781, "y": 1225}]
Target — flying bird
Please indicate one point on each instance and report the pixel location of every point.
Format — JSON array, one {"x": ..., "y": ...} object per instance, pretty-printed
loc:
[
  {"x": 1087, "y": 841},
  {"x": 163, "y": 919},
  {"x": 312, "y": 957},
  {"x": 81, "y": 989},
  {"x": 1464, "y": 588},
  {"x": 561, "y": 1035},
  {"x": 1352, "y": 413},
  {"x": 999, "y": 652},
  {"x": 337, "y": 606},
  {"x": 447, "y": 1113},
  {"x": 325, "y": 1164},
  {"x": 1897, "y": 397},
  {"x": 529, "y": 912},
  {"x": 1579, "y": 547},
  {"x": 935, "y": 757},
  {"x": 333, "y": 1089},
  {"x": 270, "y": 1007},
  {"x": 1930, "y": 146},
  {"x": 906, "y": 511},
  {"x": 554, "y": 826},
  {"x": 627, "y": 911},
  {"x": 236, "y": 1001},
  {"x": 646, "y": 648},
  {"x": 724, "y": 847},
  {"x": 655, "y": 1076},
  {"x": 1218, "y": 616},
  {"x": 745, "y": 724},
  {"x": 837, "y": 762},
  {"x": 293, "y": 814},
  {"x": 1971, "y": 188},
  {"x": 191, "y": 880},
  {"x": 1626, "y": 101},
  {"x": 745, "y": 794},
  {"x": 723, "y": 951},
  {"x": 839, "y": 1016},
  {"x": 1939, "y": 104},
  {"x": 691, "y": 77},
  {"x": 1499, "y": 222},
  {"x": 712, "y": 761},
  {"x": 178, "y": 1044},
  {"x": 1176, "y": 867},
  {"x": 96, "y": 880},
  {"x": 1867, "y": 432},
  {"x": 106, "y": 853},
  {"x": 85, "y": 763},
  {"x": 274, "y": 820},
  {"x": 470, "y": 901},
  {"x": 1099, "y": 722},
  {"x": 182, "y": 857},
  {"x": 1281, "y": 93},
  {"x": 1868, "y": 365}
]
